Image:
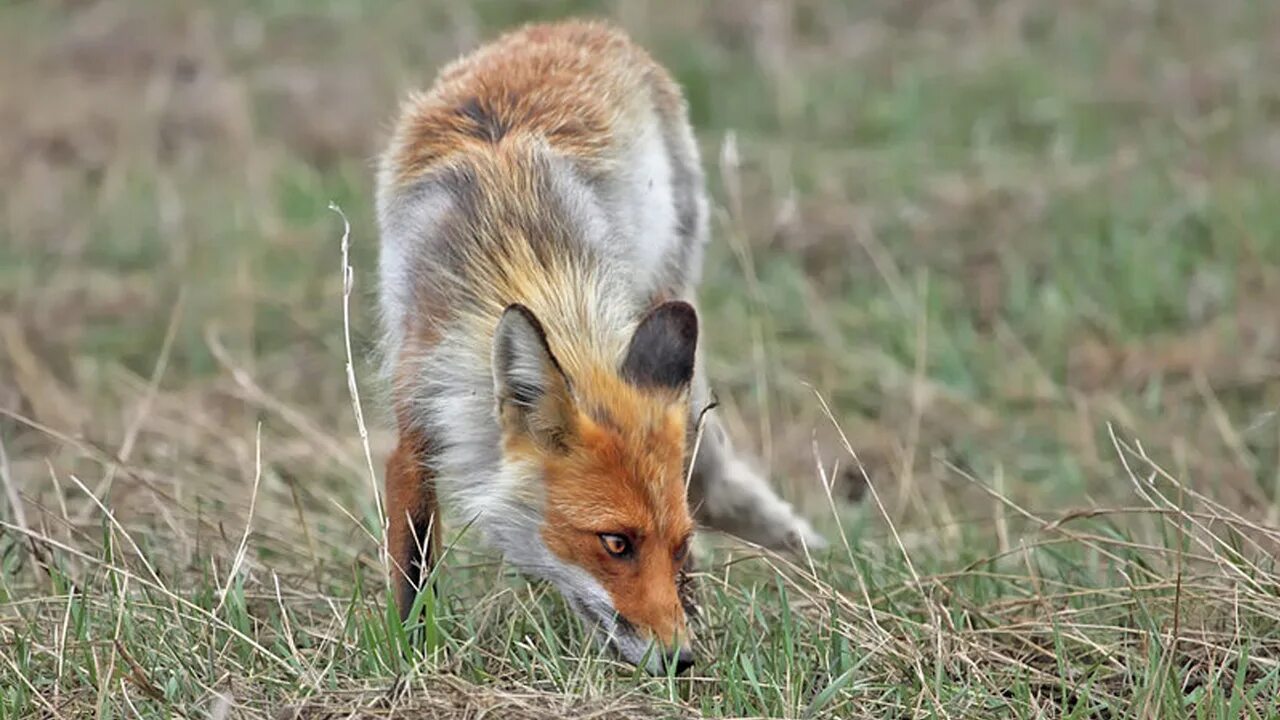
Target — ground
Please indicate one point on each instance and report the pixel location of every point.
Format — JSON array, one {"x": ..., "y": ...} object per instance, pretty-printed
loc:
[{"x": 992, "y": 297}]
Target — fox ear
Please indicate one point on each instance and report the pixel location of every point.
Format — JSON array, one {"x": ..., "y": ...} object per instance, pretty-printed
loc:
[
  {"x": 662, "y": 351},
  {"x": 532, "y": 391}
]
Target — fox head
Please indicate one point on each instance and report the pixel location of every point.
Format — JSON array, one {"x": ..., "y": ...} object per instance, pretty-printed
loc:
[{"x": 603, "y": 455}]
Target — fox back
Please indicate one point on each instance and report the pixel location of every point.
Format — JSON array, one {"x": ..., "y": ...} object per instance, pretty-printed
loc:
[{"x": 542, "y": 224}]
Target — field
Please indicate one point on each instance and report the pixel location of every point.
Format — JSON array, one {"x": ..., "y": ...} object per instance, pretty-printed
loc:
[{"x": 992, "y": 295}]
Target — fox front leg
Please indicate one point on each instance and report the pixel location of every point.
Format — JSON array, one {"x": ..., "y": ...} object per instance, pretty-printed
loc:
[{"x": 727, "y": 494}]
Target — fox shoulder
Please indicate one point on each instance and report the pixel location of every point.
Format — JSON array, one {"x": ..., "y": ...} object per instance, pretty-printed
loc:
[{"x": 582, "y": 86}]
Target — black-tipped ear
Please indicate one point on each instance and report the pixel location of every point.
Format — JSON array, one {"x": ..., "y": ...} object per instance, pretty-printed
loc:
[
  {"x": 531, "y": 389},
  {"x": 662, "y": 351}
]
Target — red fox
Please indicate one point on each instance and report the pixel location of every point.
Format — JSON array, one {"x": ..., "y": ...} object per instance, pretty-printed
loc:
[{"x": 543, "y": 215}]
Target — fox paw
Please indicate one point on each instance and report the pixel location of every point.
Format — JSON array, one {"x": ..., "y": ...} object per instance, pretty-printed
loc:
[{"x": 801, "y": 536}]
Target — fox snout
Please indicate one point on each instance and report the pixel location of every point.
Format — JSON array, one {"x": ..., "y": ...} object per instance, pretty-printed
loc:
[
  {"x": 640, "y": 647},
  {"x": 660, "y": 663},
  {"x": 684, "y": 660}
]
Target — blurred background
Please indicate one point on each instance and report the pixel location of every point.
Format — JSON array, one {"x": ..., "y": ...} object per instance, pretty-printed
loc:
[
  {"x": 981, "y": 230},
  {"x": 988, "y": 233}
]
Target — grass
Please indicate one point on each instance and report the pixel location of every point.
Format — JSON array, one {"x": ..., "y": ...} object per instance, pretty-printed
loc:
[{"x": 992, "y": 291}]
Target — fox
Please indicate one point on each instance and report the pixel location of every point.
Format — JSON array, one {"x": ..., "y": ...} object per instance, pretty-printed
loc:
[{"x": 542, "y": 217}]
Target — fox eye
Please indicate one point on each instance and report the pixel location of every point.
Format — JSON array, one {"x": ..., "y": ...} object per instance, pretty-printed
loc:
[{"x": 616, "y": 545}]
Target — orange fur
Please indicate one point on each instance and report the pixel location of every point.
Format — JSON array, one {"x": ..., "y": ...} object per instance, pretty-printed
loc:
[
  {"x": 413, "y": 532},
  {"x": 578, "y": 84}
]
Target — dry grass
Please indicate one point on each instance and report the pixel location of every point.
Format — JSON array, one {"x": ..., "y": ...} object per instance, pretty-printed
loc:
[{"x": 993, "y": 288}]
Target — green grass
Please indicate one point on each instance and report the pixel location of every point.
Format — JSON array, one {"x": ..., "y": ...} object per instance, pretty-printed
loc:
[{"x": 1025, "y": 252}]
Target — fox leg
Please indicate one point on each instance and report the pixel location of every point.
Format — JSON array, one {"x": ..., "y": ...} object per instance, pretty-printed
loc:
[
  {"x": 727, "y": 494},
  {"x": 413, "y": 533}
]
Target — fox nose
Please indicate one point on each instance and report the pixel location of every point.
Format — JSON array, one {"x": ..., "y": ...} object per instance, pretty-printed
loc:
[{"x": 683, "y": 660}]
